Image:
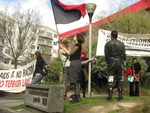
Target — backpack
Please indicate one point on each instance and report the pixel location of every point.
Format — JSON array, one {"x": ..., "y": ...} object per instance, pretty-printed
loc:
[{"x": 46, "y": 69}]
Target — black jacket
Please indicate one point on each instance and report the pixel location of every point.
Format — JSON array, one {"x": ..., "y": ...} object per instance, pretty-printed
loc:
[
  {"x": 39, "y": 66},
  {"x": 136, "y": 67},
  {"x": 114, "y": 49}
]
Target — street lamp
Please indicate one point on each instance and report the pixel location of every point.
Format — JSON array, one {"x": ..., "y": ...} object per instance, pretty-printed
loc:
[{"x": 90, "y": 9}]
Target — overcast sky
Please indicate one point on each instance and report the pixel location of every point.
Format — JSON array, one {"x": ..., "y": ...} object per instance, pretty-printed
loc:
[{"x": 44, "y": 6}]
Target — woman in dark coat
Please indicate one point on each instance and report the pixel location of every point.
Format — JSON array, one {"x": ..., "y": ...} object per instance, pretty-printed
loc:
[{"x": 37, "y": 75}]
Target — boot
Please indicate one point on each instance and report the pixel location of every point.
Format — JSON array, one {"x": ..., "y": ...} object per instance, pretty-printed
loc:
[
  {"x": 110, "y": 95},
  {"x": 120, "y": 95},
  {"x": 75, "y": 99},
  {"x": 84, "y": 91}
]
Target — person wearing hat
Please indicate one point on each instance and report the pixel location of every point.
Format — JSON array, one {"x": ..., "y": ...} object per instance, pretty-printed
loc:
[
  {"x": 65, "y": 58},
  {"x": 75, "y": 66},
  {"x": 134, "y": 86},
  {"x": 115, "y": 58}
]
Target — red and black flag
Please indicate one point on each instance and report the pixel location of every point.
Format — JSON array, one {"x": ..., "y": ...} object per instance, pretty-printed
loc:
[{"x": 65, "y": 14}]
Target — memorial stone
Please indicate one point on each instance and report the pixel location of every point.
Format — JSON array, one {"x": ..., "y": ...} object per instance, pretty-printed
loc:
[{"x": 45, "y": 98}]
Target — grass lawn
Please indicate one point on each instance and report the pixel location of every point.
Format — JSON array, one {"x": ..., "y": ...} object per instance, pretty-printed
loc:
[{"x": 70, "y": 108}]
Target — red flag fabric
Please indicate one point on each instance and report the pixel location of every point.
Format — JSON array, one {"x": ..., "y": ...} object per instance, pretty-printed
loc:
[
  {"x": 138, "y": 6},
  {"x": 65, "y": 14}
]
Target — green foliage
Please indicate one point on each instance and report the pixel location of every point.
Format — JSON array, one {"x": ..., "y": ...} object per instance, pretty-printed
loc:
[
  {"x": 130, "y": 24},
  {"x": 100, "y": 89},
  {"x": 53, "y": 76},
  {"x": 100, "y": 65},
  {"x": 140, "y": 60}
]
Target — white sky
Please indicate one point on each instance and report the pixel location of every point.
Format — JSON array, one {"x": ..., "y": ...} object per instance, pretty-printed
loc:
[{"x": 44, "y": 6}]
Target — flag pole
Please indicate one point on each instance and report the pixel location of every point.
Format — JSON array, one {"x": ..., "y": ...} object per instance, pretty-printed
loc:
[
  {"x": 56, "y": 30},
  {"x": 55, "y": 21}
]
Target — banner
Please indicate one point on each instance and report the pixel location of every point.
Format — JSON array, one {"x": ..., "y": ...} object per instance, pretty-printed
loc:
[
  {"x": 135, "y": 44},
  {"x": 15, "y": 80}
]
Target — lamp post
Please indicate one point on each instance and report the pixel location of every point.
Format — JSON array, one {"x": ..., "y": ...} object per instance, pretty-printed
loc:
[{"x": 90, "y": 9}]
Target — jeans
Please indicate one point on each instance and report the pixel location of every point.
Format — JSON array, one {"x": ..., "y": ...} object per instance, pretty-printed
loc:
[{"x": 37, "y": 78}]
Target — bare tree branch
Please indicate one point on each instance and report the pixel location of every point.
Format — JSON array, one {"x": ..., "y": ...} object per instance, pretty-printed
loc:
[{"x": 18, "y": 32}]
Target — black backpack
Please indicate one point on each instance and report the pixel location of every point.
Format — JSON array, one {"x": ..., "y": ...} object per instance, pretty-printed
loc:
[{"x": 46, "y": 69}]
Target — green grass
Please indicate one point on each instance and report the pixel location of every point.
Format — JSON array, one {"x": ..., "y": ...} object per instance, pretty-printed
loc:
[
  {"x": 144, "y": 108},
  {"x": 147, "y": 89},
  {"x": 115, "y": 111},
  {"x": 21, "y": 106},
  {"x": 69, "y": 108}
]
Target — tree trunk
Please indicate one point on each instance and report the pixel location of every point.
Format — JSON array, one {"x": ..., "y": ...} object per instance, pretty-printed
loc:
[{"x": 15, "y": 63}]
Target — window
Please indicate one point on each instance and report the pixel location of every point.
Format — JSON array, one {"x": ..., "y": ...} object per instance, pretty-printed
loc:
[
  {"x": 31, "y": 55},
  {"x": 41, "y": 40},
  {"x": 41, "y": 31},
  {"x": 54, "y": 51},
  {"x": 1, "y": 41},
  {"x": 2, "y": 22},
  {"x": 32, "y": 47},
  {"x": 9, "y": 32},
  {"x": 55, "y": 35},
  {"x": 7, "y": 51},
  {"x": 1, "y": 49},
  {"x": 34, "y": 30},
  {"x": 34, "y": 38},
  {"x": 49, "y": 34},
  {"x": 11, "y": 24},
  {"x": 55, "y": 43}
]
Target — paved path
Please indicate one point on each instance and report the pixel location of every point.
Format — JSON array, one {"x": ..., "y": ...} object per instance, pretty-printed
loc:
[{"x": 9, "y": 101}]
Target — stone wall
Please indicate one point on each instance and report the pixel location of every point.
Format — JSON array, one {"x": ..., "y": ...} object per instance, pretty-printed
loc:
[{"x": 45, "y": 98}]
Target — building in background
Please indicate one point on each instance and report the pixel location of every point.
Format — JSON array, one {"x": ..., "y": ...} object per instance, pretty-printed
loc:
[{"x": 44, "y": 39}]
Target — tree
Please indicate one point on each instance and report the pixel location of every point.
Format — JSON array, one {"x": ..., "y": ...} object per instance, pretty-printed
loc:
[
  {"x": 137, "y": 23},
  {"x": 18, "y": 31}
]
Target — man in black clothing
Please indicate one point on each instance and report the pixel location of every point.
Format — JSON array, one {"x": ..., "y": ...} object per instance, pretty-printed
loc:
[{"x": 115, "y": 58}]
